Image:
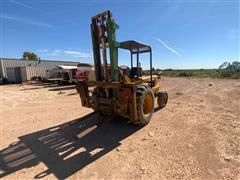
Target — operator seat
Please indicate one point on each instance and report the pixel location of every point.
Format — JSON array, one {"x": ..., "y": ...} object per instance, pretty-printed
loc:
[{"x": 134, "y": 72}]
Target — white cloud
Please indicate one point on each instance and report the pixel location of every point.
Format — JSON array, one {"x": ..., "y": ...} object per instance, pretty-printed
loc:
[
  {"x": 53, "y": 53},
  {"x": 56, "y": 51},
  {"x": 77, "y": 54},
  {"x": 70, "y": 53},
  {"x": 169, "y": 48},
  {"x": 27, "y": 21},
  {"x": 42, "y": 50}
]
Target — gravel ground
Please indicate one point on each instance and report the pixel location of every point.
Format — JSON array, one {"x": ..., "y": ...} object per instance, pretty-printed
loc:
[{"x": 45, "y": 133}]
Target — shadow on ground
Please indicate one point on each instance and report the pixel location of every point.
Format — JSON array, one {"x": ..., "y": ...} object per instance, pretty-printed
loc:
[
  {"x": 56, "y": 87},
  {"x": 40, "y": 85},
  {"x": 63, "y": 88},
  {"x": 67, "y": 148}
]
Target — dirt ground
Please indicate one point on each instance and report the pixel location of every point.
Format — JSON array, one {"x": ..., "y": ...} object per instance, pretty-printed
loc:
[{"x": 45, "y": 133}]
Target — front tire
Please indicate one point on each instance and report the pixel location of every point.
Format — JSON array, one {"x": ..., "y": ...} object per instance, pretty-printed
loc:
[{"x": 162, "y": 99}]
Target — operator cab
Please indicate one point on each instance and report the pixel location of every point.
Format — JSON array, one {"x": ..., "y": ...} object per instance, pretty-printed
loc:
[{"x": 137, "y": 48}]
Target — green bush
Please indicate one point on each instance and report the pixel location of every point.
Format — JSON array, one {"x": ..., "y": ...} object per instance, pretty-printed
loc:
[
  {"x": 185, "y": 74},
  {"x": 201, "y": 73},
  {"x": 226, "y": 73}
]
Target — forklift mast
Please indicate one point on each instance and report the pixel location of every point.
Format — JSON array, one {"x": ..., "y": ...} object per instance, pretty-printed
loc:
[{"x": 103, "y": 29}]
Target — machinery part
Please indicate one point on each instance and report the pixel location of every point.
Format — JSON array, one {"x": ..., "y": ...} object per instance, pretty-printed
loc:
[
  {"x": 162, "y": 99},
  {"x": 145, "y": 105},
  {"x": 119, "y": 91},
  {"x": 103, "y": 29}
]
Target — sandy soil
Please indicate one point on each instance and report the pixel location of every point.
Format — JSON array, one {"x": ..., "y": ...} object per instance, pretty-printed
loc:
[{"x": 45, "y": 133}]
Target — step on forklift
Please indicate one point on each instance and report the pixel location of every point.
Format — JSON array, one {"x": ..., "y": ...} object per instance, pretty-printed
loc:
[{"x": 114, "y": 92}]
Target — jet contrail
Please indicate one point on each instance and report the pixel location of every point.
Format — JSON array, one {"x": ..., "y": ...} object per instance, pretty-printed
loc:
[
  {"x": 169, "y": 48},
  {"x": 35, "y": 9},
  {"x": 24, "y": 5},
  {"x": 27, "y": 21}
]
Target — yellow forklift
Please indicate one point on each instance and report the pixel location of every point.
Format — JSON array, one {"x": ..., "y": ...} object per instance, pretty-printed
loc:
[{"x": 115, "y": 92}]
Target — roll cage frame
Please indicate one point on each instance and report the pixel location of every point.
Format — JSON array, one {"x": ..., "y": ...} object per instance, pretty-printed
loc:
[{"x": 137, "y": 48}]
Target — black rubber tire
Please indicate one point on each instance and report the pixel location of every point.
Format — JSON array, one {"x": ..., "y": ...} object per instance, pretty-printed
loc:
[
  {"x": 142, "y": 92},
  {"x": 162, "y": 99}
]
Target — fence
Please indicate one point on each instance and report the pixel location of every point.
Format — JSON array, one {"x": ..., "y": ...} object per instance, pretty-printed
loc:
[{"x": 35, "y": 71}]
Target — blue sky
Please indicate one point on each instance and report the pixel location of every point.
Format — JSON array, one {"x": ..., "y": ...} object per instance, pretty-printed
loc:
[{"x": 182, "y": 34}]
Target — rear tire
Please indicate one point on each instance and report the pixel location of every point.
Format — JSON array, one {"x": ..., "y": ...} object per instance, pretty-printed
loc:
[{"x": 145, "y": 105}]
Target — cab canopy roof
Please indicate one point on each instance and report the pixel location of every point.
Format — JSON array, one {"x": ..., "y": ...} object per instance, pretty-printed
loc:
[
  {"x": 66, "y": 67},
  {"x": 135, "y": 46}
]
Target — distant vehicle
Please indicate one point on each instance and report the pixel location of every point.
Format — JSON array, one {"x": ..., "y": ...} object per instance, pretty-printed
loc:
[
  {"x": 235, "y": 65},
  {"x": 224, "y": 65},
  {"x": 85, "y": 71},
  {"x": 62, "y": 74}
]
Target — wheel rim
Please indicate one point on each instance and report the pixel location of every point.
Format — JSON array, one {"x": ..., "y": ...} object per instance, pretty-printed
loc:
[{"x": 147, "y": 106}]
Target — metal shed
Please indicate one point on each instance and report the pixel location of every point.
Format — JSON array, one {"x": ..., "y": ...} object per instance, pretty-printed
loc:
[{"x": 18, "y": 70}]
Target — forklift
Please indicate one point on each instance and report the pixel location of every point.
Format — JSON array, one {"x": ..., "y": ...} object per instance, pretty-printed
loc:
[{"x": 114, "y": 92}]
